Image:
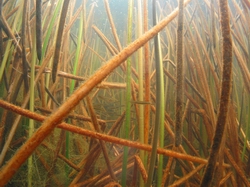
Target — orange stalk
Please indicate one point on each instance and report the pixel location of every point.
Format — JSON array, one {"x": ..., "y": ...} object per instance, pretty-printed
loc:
[{"x": 96, "y": 135}]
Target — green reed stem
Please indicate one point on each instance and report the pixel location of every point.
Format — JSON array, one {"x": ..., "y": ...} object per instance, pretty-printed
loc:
[
  {"x": 5, "y": 58},
  {"x": 31, "y": 106},
  {"x": 140, "y": 83},
  {"x": 51, "y": 26},
  {"x": 72, "y": 86},
  {"x": 78, "y": 50},
  {"x": 128, "y": 98},
  {"x": 159, "y": 118},
  {"x": 47, "y": 38},
  {"x": 16, "y": 27},
  {"x": 159, "y": 104}
]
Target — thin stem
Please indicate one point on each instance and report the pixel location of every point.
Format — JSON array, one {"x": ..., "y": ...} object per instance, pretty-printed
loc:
[
  {"x": 146, "y": 74},
  {"x": 59, "y": 39},
  {"x": 24, "y": 59},
  {"x": 102, "y": 143},
  {"x": 140, "y": 83},
  {"x": 51, "y": 25},
  {"x": 39, "y": 31},
  {"x": 159, "y": 118},
  {"x": 128, "y": 98},
  {"x": 112, "y": 25},
  {"x": 179, "y": 79}
]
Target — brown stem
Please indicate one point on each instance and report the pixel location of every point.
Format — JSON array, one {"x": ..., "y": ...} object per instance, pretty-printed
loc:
[
  {"x": 166, "y": 172},
  {"x": 73, "y": 115},
  {"x": 39, "y": 31},
  {"x": 105, "y": 179},
  {"x": 186, "y": 177},
  {"x": 73, "y": 19},
  {"x": 112, "y": 25},
  {"x": 141, "y": 168},
  {"x": 213, "y": 23},
  {"x": 24, "y": 59},
  {"x": 46, "y": 166},
  {"x": 225, "y": 95},
  {"x": 102, "y": 143},
  {"x": 89, "y": 161},
  {"x": 237, "y": 168},
  {"x": 179, "y": 78},
  {"x": 94, "y": 149},
  {"x": 59, "y": 39},
  {"x": 55, "y": 156},
  {"x": 92, "y": 181},
  {"x": 109, "y": 45},
  {"x": 71, "y": 164},
  {"x": 247, "y": 3},
  {"x": 243, "y": 67},
  {"x": 4, "y": 24}
]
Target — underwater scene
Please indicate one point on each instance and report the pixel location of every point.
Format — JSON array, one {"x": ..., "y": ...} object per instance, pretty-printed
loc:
[{"x": 131, "y": 93}]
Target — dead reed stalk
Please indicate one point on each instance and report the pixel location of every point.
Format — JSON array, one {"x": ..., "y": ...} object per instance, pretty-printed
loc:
[
  {"x": 39, "y": 31},
  {"x": 24, "y": 58},
  {"x": 146, "y": 74},
  {"x": 59, "y": 39},
  {"x": 225, "y": 94},
  {"x": 179, "y": 78},
  {"x": 112, "y": 25},
  {"x": 141, "y": 168},
  {"x": 102, "y": 143}
]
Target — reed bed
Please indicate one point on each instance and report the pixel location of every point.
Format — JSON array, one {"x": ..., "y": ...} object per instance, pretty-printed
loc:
[{"x": 88, "y": 98}]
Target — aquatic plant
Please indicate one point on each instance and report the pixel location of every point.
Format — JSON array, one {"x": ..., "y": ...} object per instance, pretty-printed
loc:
[
  {"x": 225, "y": 94},
  {"x": 128, "y": 98},
  {"x": 97, "y": 115},
  {"x": 158, "y": 129}
]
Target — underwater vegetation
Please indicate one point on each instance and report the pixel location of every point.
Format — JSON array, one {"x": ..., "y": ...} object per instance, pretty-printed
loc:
[{"x": 125, "y": 93}]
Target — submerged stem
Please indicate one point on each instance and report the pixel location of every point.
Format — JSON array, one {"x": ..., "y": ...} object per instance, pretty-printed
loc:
[
  {"x": 180, "y": 78},
  {"x": 159, "y": 119},
  {"x": 225, "y": 94},
  {"x": 128, "y": 98},
  {"x": 59, "y": 39}
]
